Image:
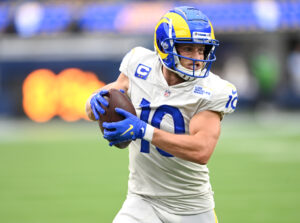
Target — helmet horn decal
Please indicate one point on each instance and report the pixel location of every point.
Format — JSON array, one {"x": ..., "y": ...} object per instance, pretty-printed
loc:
[{"x": 181, "y": 27}]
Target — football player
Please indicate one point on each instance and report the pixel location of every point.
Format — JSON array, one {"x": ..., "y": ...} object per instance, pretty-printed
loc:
[{"x": 179, "y": 105}]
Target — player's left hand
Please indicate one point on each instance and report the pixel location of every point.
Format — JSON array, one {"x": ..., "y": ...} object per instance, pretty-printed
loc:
[{"x": 130, "y": 128}]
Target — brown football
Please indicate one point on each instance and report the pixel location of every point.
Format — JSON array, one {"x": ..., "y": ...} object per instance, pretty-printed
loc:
[{"x": 116, "y": 99}]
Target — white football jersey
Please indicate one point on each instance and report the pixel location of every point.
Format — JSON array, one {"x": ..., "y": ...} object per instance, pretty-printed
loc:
[{"x": 173, "y": 184}]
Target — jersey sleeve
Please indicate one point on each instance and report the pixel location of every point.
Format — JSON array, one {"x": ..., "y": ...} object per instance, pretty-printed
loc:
[
  {"x": 224, "y": 101},
  {"x": 124, "y": 67}
]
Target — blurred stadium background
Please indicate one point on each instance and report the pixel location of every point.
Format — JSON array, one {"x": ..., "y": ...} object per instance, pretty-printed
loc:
[{"x": 55, "y": 166}]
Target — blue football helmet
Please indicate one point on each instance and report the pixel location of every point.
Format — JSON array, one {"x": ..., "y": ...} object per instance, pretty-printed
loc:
[{"x": 185, "y": 25}]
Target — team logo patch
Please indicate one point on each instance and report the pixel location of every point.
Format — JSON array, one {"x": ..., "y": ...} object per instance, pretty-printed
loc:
[
  {"x": 142, "y": 71},
  {"x": 203, "y": 91}
]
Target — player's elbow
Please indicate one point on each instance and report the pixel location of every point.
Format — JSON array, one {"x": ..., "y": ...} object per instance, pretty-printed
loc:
[
  {"x": 205, "y": 149},
  {"x": 203, "y": 155},
  {"x": 202, "y": 159}
]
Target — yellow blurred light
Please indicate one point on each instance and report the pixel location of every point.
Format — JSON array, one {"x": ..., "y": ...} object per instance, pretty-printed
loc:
[
  {"x": 90, "y": 85},
  {"x": 46, "y": 94},
  {"x": 75, "y": 86},
  {"x": 40, "y": 95}
]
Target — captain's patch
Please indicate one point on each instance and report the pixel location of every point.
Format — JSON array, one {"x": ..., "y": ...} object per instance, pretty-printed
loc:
[{"x": 142, "y": 71}]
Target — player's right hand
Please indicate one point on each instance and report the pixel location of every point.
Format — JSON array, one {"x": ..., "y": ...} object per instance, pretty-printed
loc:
[
  {"x": 131, "y": 128},
  {"x": 97, "y": 102}
]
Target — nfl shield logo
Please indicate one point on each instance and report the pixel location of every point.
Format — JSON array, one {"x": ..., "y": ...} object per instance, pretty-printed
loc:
[{"x": 167, "y": 93}]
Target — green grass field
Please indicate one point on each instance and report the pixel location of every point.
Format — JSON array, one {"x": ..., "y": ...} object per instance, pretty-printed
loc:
[{"x": 65, "y": 173}]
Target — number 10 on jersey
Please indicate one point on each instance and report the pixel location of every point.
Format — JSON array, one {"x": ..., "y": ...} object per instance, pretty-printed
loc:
[{"x": 161, "y": 111}]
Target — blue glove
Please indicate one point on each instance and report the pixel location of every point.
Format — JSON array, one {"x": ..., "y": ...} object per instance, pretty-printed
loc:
[
  {"x": 97, "y": 101},
  {"x": 130, "y": 128}
]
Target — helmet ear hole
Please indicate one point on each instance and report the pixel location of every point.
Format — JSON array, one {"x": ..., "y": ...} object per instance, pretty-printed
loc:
[{"x": 207, "y": 50}]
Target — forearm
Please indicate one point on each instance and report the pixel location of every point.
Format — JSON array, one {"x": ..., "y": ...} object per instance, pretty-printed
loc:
[
  {"x": 88, "y": 108},
  {"x": 195, "y": 148}
]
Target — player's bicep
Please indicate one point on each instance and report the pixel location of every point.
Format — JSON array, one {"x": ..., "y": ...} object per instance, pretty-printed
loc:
[
  {"x": 121, "y": 83},
  {"x": 206, "y": 126},
  {"x": 208, "y": 121}
]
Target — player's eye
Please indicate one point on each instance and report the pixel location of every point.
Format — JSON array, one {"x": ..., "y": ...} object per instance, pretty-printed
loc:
[
  {"x": 188, "y": 49},
  {"x": 201, "y": 51}
]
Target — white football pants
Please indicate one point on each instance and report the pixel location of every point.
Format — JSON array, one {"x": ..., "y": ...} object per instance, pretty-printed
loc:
[{"x": 137, "y": 210}]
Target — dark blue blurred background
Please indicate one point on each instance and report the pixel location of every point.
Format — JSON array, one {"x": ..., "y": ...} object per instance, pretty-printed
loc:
[{"x": 259, "y": 44}]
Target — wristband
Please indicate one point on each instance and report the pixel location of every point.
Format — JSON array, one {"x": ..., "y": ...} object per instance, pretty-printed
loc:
[{"x": 149, "y": 133}]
